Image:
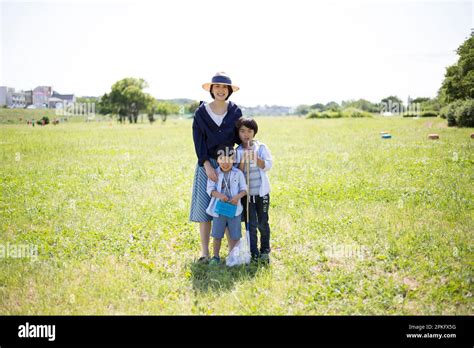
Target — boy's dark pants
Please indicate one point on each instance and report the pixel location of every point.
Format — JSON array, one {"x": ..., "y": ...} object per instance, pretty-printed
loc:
[{"x": 258, "y": 217}]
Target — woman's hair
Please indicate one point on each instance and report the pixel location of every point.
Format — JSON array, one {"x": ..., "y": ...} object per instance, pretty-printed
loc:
[
  {"x": 229, "y": 88},
  {"x": 247, "y": 122}
]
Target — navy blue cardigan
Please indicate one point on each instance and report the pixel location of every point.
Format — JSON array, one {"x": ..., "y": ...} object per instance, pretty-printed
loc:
[{"x": 207, "y": 135}]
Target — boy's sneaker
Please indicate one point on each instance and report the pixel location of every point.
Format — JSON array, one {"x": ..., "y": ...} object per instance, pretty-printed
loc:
[
  {"x": 215, "y": 261},
  {"x": 203, "y": 260},
  {"x": 254, "y": 258},
  {"x": 265, "y": 258}
]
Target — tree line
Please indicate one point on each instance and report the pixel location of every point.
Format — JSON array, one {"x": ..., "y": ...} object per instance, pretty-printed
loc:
[
  {"x": 454, "y": 100},
  {"x": 127, "y": 99}
]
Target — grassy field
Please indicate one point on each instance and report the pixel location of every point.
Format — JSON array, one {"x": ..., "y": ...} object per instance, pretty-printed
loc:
[
  {"x": 360, "y": 224},
  {"x": 21, "y": 116}
]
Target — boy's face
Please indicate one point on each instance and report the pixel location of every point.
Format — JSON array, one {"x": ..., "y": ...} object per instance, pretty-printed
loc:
[
  {"x": 246, "y": 134},
  {"x": 225, "y": 162}
]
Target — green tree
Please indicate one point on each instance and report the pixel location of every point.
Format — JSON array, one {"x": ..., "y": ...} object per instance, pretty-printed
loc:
[
  {"x": 391, "y": 104},
  {"x": 152, "y": 109},
  {"x": 332, "y": 106},
  {"x": 190, "y": 108},
  {"x": 427, "y": 104},
  {"x": 127, "y": 99},
  {"x": 165, "y": 108},
  {"x": 104, "y": 107},
  {"x": 361, "y": 104},
  {"x": 393, "y": 99},
  {"x": 302, "y": 109},
  {"x": 318, "y": 106},
  {"x": 459, "y": 78},
  {"x": 420, "y": 100}
]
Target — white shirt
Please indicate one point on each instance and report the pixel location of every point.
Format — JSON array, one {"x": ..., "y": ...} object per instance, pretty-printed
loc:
[
  {"x": 264, "y": 153},
  {"x": 215, "y": 117},
  {"x": 237, "y": 184}
]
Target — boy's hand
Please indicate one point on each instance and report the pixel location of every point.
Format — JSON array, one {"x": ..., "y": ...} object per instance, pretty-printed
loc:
[
  {"x": 223, "y": 197},
  {"x": 249, "y": 155},
  {"x": 235, "y": 200},
  {"x": 260, "y": 163},
  {"x": 220, "y": 196}
]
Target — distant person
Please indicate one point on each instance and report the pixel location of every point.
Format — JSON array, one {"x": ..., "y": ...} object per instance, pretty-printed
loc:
[
  {"x": 260, "y": 159},
  {"x": 213, "y": 124},
  {"x": 229, "y": 189}
]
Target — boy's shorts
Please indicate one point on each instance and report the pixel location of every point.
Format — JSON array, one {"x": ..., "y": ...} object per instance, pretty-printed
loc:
[{"x": 220, "y": 223}]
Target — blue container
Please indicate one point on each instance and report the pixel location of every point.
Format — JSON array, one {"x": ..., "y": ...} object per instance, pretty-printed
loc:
[
  {"x": 226, "y": 209},
  {"x": 386, "y": 136}
]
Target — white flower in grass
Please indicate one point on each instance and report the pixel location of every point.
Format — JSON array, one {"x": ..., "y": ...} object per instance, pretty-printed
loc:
[
  {"x": 398, "y": 299},
  {"x": 72, "y": 204},
  {"x": 455, "y": 252},
  {"x": 400, "y": 204}
]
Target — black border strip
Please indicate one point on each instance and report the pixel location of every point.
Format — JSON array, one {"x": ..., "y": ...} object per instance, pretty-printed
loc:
[{"x": 261, "y": 330}]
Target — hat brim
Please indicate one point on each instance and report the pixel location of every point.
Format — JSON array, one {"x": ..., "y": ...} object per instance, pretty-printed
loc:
[{"x": 207, "y": 86}]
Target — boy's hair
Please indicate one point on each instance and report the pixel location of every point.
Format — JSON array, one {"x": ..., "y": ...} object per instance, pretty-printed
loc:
[
  {"x": 224, "y": 150},
  {"x": 247, "y": 122},
  {"x": 229, "y": 88}
]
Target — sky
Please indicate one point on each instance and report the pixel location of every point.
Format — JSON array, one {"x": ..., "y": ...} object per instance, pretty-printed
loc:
[{"x": 279, "y": 52}]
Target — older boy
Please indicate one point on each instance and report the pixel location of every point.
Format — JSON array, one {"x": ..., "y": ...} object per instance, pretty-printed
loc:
[{"x": 260, "y": 158}]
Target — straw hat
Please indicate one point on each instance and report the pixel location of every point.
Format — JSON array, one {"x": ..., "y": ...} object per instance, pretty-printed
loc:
[{"x": 220, "y": 78}]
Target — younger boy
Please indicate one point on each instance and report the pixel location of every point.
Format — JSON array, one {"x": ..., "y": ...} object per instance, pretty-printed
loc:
[
  {"x": 259, "y": 188},
  {"x": 230, "y": 188}
]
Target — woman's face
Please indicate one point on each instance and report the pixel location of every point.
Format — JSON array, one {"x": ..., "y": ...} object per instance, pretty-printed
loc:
[{"x": 220, "y": 92}]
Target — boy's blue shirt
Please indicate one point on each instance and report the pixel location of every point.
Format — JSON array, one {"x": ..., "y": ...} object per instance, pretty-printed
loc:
[{"x": 237, "y": 184}]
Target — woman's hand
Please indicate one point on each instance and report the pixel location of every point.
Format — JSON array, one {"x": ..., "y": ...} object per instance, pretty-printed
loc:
[{"x": 210, "y": 171}]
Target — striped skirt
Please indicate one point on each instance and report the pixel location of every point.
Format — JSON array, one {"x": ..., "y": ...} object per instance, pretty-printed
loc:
[{"x": 200, "y": 199}]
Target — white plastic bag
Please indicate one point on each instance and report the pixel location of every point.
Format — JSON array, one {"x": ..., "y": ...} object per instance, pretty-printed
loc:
[{"x": 240, "y": 254}]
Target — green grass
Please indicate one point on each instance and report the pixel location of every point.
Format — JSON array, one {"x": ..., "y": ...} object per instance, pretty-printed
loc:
[
  {"x": 107, "y": 205},
  {"x": 15, "y": 116},
  {"x": 21, "y": 116}
]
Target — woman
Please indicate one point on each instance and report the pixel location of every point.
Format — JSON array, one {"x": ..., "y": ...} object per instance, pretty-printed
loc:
[{"x": 213, "y": 125}]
